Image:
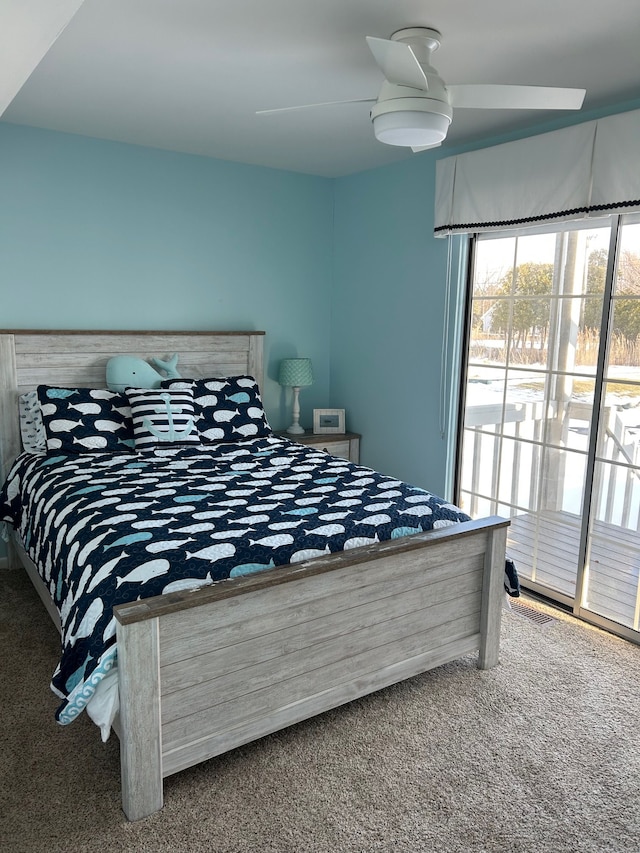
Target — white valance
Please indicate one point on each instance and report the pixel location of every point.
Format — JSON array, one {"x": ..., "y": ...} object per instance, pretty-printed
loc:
[{"x": 570, "y": 174}]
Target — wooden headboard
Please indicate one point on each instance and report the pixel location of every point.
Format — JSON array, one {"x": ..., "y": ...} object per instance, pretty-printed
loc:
[{"x": 77, "y": 359}]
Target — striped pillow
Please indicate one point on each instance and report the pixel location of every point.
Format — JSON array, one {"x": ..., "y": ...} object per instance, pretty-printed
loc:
[{"x": 162, "y": 417}]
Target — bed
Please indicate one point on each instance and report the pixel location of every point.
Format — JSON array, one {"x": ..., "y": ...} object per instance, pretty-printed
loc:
[{"x": 203, "y": 670}]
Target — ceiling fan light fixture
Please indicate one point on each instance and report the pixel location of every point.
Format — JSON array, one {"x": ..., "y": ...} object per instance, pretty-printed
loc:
[
  {"x": 411, "y": 128},
  {"x": 415, "y": 122}
]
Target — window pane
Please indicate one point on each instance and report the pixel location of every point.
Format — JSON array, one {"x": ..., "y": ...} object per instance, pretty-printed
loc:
[
  {"x": 628, "y": 269},
  {"x": 476, "y": 507},
  {"x": 563, "y": 476},
  {"x": 569, "y": 412},
  {"x": 616, "y": 495},
  {"x": 624, "y": 343},
  {"x": 524, "y": 404},
  {"x": 620, "y": 424},
  {"x": 480, "y": 463},
  {"x": 612, "y": 577},
  {"x": 484, "y": 395},
  {"x": 519, "y": 468},
  {"x": 575, "y": 343},
  {"x": 579, "y": 414},
  {"x": 486, "y": 344},
  {"x": 545, "y": 548}
]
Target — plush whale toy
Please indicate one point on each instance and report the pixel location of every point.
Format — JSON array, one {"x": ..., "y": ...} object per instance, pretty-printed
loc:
[{"x": 127, "y": 371}]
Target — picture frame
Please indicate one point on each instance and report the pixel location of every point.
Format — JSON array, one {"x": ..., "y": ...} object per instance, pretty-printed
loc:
[{"x": 328, "y": 421}]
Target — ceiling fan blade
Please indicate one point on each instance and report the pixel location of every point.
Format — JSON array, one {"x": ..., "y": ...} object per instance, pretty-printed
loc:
[
  {"x": 497, "y": 97},
  {"x": 398, "y": 63},
  {"x": 311, "y": 106}
]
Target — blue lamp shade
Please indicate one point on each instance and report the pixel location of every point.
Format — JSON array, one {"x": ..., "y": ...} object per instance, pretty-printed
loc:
[{"x": 295, "y": 372}]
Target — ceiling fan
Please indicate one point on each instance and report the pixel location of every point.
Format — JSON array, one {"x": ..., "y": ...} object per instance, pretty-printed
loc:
[{"x": 414, "y": 107}]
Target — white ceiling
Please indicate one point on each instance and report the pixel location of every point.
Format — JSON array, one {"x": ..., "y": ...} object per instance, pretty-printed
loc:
[{"x": 188, "y": 75}]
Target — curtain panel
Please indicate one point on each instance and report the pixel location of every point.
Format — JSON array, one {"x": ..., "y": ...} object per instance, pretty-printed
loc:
[{"x": 585, "y": 170}]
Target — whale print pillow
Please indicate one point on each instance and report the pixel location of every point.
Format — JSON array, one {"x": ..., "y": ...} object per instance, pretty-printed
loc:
[
  {"x": 162, "y": 417},
  {"x": 227, "y": 409},
  {"x": 34, "y": 438},
  {"x": 85, "y": 420}
]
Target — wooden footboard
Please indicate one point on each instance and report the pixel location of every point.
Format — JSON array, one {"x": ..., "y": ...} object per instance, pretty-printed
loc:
[{"x": 204, "y": 672}]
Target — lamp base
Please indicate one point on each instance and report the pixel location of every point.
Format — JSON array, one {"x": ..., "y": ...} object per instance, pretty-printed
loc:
[{"x": 295, "y": 428}]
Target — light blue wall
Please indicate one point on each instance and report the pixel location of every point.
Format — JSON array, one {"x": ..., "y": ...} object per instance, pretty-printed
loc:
[
  {"x": 389, "y": 319},
  {"x": 97, "y": 234}
]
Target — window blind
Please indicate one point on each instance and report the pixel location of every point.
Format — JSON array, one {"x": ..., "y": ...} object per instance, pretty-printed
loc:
[{"x": 565, "y": 175}]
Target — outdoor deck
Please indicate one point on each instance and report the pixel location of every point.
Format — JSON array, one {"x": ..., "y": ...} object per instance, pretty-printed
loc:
[{"x": 545, "y": 549}]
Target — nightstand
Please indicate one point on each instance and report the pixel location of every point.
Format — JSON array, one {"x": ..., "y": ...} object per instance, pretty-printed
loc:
[{"x": 343, "y": 444}]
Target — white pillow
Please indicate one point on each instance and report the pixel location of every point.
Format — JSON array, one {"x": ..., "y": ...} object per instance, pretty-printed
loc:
[{"x": 34, "y": 439}]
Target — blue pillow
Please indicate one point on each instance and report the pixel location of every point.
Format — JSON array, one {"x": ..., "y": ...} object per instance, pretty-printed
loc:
[
  {"x": 85, "y": 420},
  {"x": 227, "y": 409}
]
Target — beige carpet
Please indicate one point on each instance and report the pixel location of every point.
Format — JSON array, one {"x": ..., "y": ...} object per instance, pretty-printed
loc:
[{"x": 540, "y": 754}]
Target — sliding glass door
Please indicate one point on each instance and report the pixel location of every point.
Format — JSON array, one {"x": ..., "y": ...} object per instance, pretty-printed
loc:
[
  {"x": 551, "y": 411},
  {"x": 610, "y": 584}
]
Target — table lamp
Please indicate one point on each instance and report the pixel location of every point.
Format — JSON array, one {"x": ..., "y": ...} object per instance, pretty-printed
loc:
[{"x": 295, "y": 373}]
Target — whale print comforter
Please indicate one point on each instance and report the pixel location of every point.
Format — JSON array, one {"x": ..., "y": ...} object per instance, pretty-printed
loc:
[{"x": 107, "y": 528}]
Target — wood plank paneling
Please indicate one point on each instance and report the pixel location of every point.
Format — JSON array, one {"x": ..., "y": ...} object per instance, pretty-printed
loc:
[
  {"x": 334, "y": 658},
  {"x": 298, "y": 602},
  {"x": 9, "y": 423},
  {"x": 445, "y": 649},
  {"x": 140, "y": 736},
  {"x": 242, "y": 644},
  {"x": 94, "y": 375},
  {"x": 306, "y": 593},
  {"x": 492, "y": 593},
  {"x": 149, "y": 343},
  {"x": 255, "y": 361},
  {"x": 364, "y": 656},
  {"x": 78, "y": 358}
]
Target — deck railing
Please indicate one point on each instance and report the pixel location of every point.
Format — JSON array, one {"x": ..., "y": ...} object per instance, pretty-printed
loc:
[
  {"x": 617, "y": 472},
  {"x": 613, "y": 586}
]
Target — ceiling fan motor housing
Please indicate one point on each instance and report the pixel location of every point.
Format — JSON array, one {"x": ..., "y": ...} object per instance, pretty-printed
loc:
[
  {"x": 414, "y": 117},
  {"x": 422, "y": 40},
  {"x": 411, "y": 121}
]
